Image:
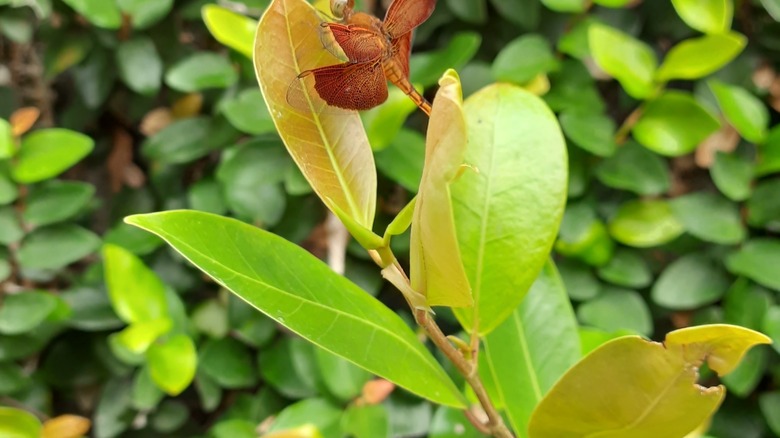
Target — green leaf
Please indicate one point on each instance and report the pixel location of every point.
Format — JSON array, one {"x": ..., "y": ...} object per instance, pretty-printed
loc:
[
  {"x": 330, "y": 147},
  {"x": 674, "y": 124},
  {"x": 24, "y": 311},
  {"x": 436, "y": 268},
  {"x": 630, "y": 61},
  {"x": 46, "y": 153},
  {"x": 228, "y": 362},
  {"x": 210, "y": 318},
  {"x": 56, "y": 246},
  {"x": 172, "y": 363},
  {"x": 733, "y": 175},
  {"x": 592, "y": 131},
  {"x": 709, "y": 217},
  {"x": 146, "y": 395},
  {"x": 581, "y": 284},
  {"x": 101, "y": 13},
  {"x": 635, "y": 169},
  {"x": 56, "y": 201},
  {"x": 532, "y": 349},
  {"x": 626, "y": 268},
  {"x": 384, "y": 122},
  {"x": 290, "y": 367},
  {"x": 764, "y": 205},
  {"x": 565, "y": 5},
  {"x": 516, "y": 143},
  {"x": 712, "y": 16},
  {"x": 201, "y": 71},
  {"x": 427, "y": 67},
  {"x": 7, "y": 145},
  {"x": 744, "y": 111},
  {"x": 140, "y": 67},
  {"x": 522, "y": 12},
  {"x": 136, "y": 292},
  {"x": 773, "y": 8},
  {"x": 472, "y": 11},
  {"x": 644, "y": 224},
  {"x": 746, "y": 304},
  {"x": 314, "y": 302},
  {"x": 584, "y": 236},
  {"x": 769, "y": 154},
  {"x": 138, "y": 336},
  {"x": 689, "y": 282},
  {"x": 249, "y": 113},
  {"x": 316, "y": 412},
  {"x": 698, "y": 57},
  {"x": 231, "y": 29},
  {"x": 770, "y": 401},
  {"x": 343, "y": 379},
  {"x": 524, "y": 58},
  {"x": 10, "y": 229},
  {"x": 66, "y": 52},
  {"x": 16, "y": 423},
  {"x": 145, "y": 13},
  {"x": 403, "y": 160},
  {"x": 665, "y": 402},
  {"x": 188, "y": 139},
  {"x": 8, "y": 190},
  {"x": 617, "y": 309},
  {"x": 771, "y": 326},
  {"x": 206, "y": 195},
  {"x": 371, "y": 421},
  {"x": 758, "y": 260}
]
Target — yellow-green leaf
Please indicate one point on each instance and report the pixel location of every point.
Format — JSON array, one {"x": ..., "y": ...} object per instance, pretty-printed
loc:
[
  {"x": 436, "y": 266},
  {"x": 507, "y": 212},
  {"x": 172, "y": 363},
  {"x": 708, "y": 16},
  {"x": 627, "y": 59},
  {"x": 329, "y": 145},
  {"x": 697, "y": 57},
  {"x": 231, "y": 29},
  {"x": 631, "y": 387}
]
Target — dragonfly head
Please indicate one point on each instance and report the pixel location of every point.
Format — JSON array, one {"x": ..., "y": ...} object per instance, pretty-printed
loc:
[{"x": 342, "y": 9}]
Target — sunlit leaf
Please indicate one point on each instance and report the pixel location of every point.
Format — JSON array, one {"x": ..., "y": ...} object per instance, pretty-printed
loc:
[
  {"x": 644, "y": 224},
  {"x": 507, "y": 214},
  {"x": 329, "y": 146},
  {"x": 66, "y": 426},
  {"x": 231, "y": 29},
  {"x": 137, "y": 293},
  {"x": 311, "y": 300},
  {"x": 633, "y": 387},
  {"x": 16, "y": 423},
  {"x": 697, "y": 57},
  {"x": 709, "y": 16},
  {"x": 101, "y": 13},
  {"x": 436, "y": 267},
  {"x": 172, "y": 363},
  {"x": 629, "y": 60},
  {"x": 744, "y": 111},
  {"x": 47, "y": 153}
]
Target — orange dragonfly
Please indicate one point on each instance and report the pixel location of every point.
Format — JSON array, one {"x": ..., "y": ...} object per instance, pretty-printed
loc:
[{"x": 376, "y": 51}]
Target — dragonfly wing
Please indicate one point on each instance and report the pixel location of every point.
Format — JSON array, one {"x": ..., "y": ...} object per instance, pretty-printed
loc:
[
  {"x": 352, "y": 86},
  {"x": 358, "y": 43},
  {"x": 404, "y": 15},
  {"x": 402, "y": 49}
]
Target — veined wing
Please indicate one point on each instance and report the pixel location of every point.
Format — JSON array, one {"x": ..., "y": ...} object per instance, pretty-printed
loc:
[
  {"x": 358, "y": 43},
  {"x": 404, "y": 15},
  {"x": 352, "y": 86}
]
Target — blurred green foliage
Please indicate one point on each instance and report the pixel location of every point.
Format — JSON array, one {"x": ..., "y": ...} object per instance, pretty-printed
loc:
[{"x": 670, "y": 108}]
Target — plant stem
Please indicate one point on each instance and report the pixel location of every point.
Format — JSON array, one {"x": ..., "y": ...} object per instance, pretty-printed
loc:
[
  {"x": 495, "y": 423},
  {"x": 622, "y": 133}
]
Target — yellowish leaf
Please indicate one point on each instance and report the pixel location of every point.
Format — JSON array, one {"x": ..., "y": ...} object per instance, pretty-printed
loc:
[
  {"x": 631, "y": 387},
  {"x": 66, "y": 426},
  {"x": 23, "y": 119},
  {"x": 328, "y": 144},
  {"x": 305, "y": 431},
  {"x": 436, "y": 266}
]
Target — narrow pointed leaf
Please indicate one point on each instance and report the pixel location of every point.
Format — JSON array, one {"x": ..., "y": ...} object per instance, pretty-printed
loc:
[
  {"x": 627, "y": 59},
  {"x": 436, "y": 266},
  {"x": 329, "y": 145},
  {"x": 300, "y": 292},
  {"x": 507, "y": 214},
  {"x": 532, "y": 349},
  {"x": 637, "y": 388}
]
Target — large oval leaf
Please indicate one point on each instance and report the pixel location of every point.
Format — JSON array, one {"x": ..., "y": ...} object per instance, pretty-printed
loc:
[
  {"x": 329, "y": 145},
  {"x": 532, "y": 349},
  {"x": 305, "y": 295},
  {"x": 507, "y": 214},
  {"x": 436, "y": 266},
  {"x": 631, "y": 387}
]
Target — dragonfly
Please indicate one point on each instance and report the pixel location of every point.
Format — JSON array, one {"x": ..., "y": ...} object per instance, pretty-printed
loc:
[{"x": 376, "y": 51}]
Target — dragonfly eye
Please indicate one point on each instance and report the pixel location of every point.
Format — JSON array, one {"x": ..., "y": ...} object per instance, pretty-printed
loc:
[{"x": 340, "y": 8}]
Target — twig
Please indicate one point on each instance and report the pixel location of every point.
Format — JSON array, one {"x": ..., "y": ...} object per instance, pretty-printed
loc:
[{"x": 622, "y": 133}]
